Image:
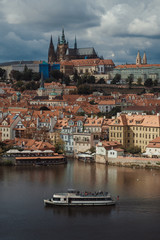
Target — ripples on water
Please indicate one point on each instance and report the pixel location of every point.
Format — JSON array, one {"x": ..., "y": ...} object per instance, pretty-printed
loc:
[{"x": 23, "y": 215}]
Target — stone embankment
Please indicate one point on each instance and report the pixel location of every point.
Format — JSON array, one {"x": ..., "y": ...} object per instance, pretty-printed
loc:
[{"x": 136, "y": 162}]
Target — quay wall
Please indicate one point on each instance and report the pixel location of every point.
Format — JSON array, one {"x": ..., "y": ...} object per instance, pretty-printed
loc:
[{"x": 137, "y": 162}]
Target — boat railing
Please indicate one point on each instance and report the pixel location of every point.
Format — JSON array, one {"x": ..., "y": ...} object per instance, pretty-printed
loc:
[{"x": 92, "y": 194}]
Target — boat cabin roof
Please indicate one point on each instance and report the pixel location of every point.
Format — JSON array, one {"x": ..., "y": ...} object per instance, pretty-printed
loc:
[{"x": 71, "y": 191}]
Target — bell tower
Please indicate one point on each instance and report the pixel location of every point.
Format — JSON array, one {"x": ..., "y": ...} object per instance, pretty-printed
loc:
[
  {"x": 138, "y": 59},
  {"x": 62, "y": 47},
  {"x": 144, "y": 58}
]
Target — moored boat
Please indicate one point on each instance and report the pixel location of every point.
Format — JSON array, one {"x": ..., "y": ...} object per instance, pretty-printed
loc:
[{"x": 76, "y": 198}]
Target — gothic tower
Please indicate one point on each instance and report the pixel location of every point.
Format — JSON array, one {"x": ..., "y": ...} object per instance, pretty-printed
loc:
[
  {"x": 75, "y": 43},
  {"x": 62, "y": 47},
  {"x": 138, "y": 59},
  {"x": 51, "y": 52},
  {"x": 144, "y": 58}
]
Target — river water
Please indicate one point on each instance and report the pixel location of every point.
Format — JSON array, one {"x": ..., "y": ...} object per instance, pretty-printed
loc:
[{"x": 24, "y": 217}]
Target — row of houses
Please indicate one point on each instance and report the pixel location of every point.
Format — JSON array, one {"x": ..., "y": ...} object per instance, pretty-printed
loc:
[{"x": 81, "y": 133}]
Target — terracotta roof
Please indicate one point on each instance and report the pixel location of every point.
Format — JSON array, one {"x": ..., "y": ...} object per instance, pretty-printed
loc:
[
  {"x": 137, "y": 120},
  {"x": 137, "y": 66}
]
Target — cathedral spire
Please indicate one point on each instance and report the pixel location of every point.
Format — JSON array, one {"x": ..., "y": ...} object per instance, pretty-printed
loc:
[
  {"x": 138, "y": 59},
  {"x": 51, "y": 52},
  {"x": 58, "y": 39},
  {"x": 144, "y": 58},
  {"x": 63, "y": 40},
  {"x": 75, "y": 43}
]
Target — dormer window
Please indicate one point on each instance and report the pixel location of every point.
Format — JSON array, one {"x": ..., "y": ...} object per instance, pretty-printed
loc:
[{"x": 138, "y": 122}]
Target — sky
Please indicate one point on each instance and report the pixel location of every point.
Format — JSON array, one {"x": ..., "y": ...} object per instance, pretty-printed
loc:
[{"x": 117, "y": 29}]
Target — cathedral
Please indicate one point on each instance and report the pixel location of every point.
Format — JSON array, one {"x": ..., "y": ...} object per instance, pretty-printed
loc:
[{"x": 63, "y": 52}]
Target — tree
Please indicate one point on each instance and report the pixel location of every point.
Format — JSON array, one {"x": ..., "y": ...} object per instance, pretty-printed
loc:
[
  {"x": 130, "y": 80},
  {"x": 75, "y": 76},
  {"x": 91, "y": 79},
  {"x": 114, "y": 111},
  {"x": 32, "y": 85},
  {"x": 84, "y": 89},
  {"x": 101, "y": 81},
  {"x": 16, "y": 75},
  {"x": 155, "y": 82},
  {"x": 92, "y": 149},
  {"x": 59, "y": 146},
  {"x": 36, "y": 76},
  {"x": 2, "y": 73},
  {"x": 27, "y": 74},
  {"x": 56, "y": 74},
  {"x": 92, "y": 102},
  {"x": 133, "y": 150},
  {"x": 66, "y": 80},
  {"x": 148, "y": 82},
  {"x": 116, "y": 79},
  {"x": 139, "y": 81}
]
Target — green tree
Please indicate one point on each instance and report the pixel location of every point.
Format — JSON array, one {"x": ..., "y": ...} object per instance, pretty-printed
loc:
[
  {"x": 133, "y": 150},
  {"x": 148, "y": 82},
  {"x": 56, "y": 74},
  {"x": 66, "y": 80},
  {"x": 59, "y": 146},
  {"x": 101, "y": 81},
  {"x": 2, "y": 73},
  {"x": 130, "y": 80},
  {"x": 139, "y": 81},
  {"x": 84, "y": 89},
  {"x": 36, "y": 76},
  {"x": 114, "y": 111},
  {"x": 92, "y": 149},
  {"x": 27, "y": 74},
  {"x": 155, "y": 82},
  {"x": 16, "y": 75},
  {"x": 76, "y": 76},
  {"x": 91, "y": 79},
  {"x": 116, "y": 79}
]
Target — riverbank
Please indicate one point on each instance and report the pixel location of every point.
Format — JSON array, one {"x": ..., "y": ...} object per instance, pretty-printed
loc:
[{"x": 135, "y": 162}]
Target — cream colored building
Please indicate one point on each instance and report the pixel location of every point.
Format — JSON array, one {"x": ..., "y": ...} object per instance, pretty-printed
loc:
[
  {"x": 7, "y": 127},
  {"x": 135, "y": 130}
]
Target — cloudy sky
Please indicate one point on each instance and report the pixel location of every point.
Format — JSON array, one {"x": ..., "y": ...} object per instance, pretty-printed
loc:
[{"x": 117, "y": 29}]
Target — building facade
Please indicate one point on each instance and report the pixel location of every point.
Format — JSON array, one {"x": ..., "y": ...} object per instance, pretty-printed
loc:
[{"x": 134, "y": 130}]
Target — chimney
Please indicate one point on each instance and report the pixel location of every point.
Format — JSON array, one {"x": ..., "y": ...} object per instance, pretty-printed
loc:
[{"x": 37, "y": 122}]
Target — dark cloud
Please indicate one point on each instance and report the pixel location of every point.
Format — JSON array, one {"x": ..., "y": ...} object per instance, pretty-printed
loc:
[{"x": 117, "y": 29}]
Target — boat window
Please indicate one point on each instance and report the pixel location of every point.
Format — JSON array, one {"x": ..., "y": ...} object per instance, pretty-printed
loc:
[
  {"x": 91, "y": 199},
  {"x": 56, "y": 199}
]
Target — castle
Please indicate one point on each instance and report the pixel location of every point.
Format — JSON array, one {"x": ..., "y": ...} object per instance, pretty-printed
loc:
[{"x": 63, "y": 52}]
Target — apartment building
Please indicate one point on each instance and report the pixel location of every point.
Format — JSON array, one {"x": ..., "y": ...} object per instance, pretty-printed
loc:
[
  {"x": 134, "y": 130},
  {"x": 7, "y": 127}
]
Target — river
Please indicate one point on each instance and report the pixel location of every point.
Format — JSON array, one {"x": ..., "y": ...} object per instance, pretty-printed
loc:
[{"x": 24, "y": 217}]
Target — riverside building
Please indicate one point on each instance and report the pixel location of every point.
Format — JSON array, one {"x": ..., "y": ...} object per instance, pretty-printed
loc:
[{"x": 134, "y": 130}]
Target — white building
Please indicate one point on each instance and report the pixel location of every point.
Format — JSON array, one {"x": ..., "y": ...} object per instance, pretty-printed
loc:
[{"x": 114, "y": 153}]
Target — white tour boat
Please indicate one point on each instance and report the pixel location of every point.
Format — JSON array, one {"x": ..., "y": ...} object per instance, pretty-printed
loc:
[{"x": 76, "y": 198}]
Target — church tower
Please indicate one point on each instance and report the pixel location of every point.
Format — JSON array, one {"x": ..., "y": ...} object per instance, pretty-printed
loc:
[
  {"x": 62, "y": 47},
  {"x": 138, "y": 59},
  {"x": 144, "y": 58},
  {"x": 51, "y": 52},
  {"x": 75, "y": 43}
]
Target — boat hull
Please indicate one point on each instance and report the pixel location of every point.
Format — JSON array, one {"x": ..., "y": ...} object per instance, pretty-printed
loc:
[{"x": 50, "y": 202}]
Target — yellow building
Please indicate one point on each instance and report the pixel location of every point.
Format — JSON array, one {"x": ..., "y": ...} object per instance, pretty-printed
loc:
[{"x": 134, "y": 130}]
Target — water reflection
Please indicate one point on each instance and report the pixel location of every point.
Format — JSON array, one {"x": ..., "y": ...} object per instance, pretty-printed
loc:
[{"x": 75, "y": 211}]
